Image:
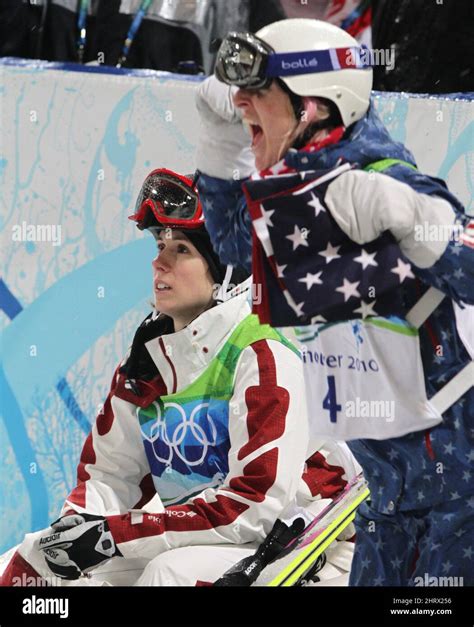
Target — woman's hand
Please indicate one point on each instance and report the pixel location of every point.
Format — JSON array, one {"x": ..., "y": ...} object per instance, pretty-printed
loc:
[
  {"x": 224, "y": 146},
  {"x": 68, "y": 521},
  {"x": 79, "y": 547}
]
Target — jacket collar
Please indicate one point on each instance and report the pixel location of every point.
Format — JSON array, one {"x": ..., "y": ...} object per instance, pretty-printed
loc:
[
  {"x": 364, "y": 142},
  {"x": 181, "y": 357}
]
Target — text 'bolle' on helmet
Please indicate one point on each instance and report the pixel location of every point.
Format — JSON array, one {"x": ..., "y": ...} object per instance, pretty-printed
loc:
[{"x": 348, "y": 89}]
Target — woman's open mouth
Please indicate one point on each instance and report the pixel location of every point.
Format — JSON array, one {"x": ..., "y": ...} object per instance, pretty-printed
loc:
[
  {"x": 257, "y": 134},
  {"x": 161, "y": 287}
]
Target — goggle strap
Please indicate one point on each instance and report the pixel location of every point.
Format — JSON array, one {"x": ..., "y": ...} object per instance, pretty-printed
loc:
[
  {"x": 196, "y": 177},
  {"x": 310, "y": 62}
]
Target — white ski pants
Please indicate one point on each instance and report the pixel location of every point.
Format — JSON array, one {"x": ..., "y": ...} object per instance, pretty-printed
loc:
[{"x": 178, "y": 567}]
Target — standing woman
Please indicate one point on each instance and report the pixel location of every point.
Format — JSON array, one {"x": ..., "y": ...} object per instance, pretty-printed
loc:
[
  {"x": 202, "y": 441},
  {"x": 302, "y": 88}
]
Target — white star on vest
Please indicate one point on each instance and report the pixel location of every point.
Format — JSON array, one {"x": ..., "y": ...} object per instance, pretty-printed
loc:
[
  {"x": 316, "y": 204},
  {"x": 366, "y": 309},
  {"x": 299, "y": 238},
  {"x": 349, "y": 290},
  {"x": 267, "y": 216},
  {"x": 403, "y": 270},
  {"x": 366, "y": 259},
  {"x": 311, "y": 279},
  {"x": 330, "y": 253}
]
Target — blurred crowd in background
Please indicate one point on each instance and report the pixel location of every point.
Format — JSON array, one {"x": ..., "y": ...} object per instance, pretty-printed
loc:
[{"x": 431, "y": 39}]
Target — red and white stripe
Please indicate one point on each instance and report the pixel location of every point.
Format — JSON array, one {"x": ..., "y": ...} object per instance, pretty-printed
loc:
[{"x": 467, "y": 237}]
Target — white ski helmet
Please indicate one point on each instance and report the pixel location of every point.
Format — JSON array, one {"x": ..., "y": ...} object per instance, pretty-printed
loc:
[{"x": 348, "y": 89}]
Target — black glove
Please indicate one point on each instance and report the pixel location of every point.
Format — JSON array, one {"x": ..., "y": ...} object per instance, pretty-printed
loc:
[
  {"x": 247, "y": 571},
  {"x": 85, "y": 542}
]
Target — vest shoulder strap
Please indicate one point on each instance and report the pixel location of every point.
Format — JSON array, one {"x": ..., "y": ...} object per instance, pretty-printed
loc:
[{"x": 384, "y": 164}]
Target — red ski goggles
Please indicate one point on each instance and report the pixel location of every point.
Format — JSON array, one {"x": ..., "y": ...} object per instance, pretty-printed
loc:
[{"x": 167, "y": 199}]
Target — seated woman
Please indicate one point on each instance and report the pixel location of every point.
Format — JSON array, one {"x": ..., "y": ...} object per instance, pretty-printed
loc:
[{"x": 203, "y": 437}]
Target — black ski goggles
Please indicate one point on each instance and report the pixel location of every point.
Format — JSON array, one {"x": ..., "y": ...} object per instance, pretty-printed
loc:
[
  {"x": 169, "y": 199},
  {"x": 245, "y": 61}
]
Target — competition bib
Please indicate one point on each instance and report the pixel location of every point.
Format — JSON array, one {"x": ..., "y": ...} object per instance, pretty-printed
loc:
[{"x": 364, "y": 379}]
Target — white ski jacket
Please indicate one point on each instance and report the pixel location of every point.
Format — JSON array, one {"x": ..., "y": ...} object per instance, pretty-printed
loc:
[{"x": 250, "y": 465}]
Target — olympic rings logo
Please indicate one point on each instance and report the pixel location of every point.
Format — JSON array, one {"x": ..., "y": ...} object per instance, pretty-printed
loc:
[{"x": 158, "y": 431}]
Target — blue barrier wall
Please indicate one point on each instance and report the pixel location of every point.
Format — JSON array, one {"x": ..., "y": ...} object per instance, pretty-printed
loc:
[{"x": 75, "y": 147}]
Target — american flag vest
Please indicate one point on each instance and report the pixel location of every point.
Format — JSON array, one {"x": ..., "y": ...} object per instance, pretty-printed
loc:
[
  {"x": 306, "y": 267},
  {"x": 363, "y": 369}
]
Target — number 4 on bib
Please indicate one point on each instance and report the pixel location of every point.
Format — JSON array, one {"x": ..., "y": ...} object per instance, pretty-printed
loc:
[{"x": 330, "y": 401}]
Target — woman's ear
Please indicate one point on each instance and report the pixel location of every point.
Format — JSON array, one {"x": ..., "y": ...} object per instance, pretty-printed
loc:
[{"x": 314, "y": 110}]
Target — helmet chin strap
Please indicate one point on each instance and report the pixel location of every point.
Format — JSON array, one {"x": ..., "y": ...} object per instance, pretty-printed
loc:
[
  {"x": 225, "y": 295},
  {"x": 283, "y": 146},
  {"x": 221, "y": 295}
]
